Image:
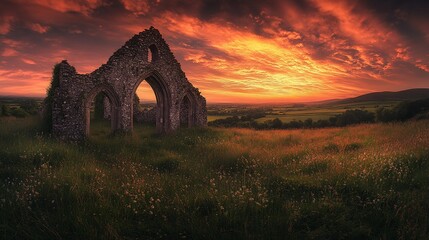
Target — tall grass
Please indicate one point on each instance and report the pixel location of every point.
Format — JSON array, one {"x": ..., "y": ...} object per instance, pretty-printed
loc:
[{"x": 367, "y": 181}]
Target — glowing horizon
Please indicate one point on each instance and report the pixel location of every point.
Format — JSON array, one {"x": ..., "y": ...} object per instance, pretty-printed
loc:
[{"x": 272, "y": 52}]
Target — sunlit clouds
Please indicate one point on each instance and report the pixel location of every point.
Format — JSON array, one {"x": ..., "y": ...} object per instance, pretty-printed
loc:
[
  {"x": 24, "y": 83},
  {"x": 249, "y": 52},
  {"x": 243, "y": 64}
]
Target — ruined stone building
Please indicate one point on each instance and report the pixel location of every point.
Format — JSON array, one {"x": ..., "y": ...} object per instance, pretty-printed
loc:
[{"x": 145, "y": 57}]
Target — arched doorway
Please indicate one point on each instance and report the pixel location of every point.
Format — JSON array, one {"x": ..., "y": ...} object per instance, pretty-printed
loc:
[
  {"x": 144, "y": 109},
  {"x": 162, "y": 101},
  {"x": 101, "y": 105},
  {"x": 187, "y": 112}
]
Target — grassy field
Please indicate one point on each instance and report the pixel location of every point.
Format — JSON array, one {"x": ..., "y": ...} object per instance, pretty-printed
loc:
[
  {"x": 360, "y": 182},
  {"x": 320, "y": 112},
  {"x": 288, "y": 113},
  {"x": 216, "y": 117}
]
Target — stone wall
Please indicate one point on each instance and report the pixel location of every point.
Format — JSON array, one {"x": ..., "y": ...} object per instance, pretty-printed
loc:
[{"x": 118, "y": 79}]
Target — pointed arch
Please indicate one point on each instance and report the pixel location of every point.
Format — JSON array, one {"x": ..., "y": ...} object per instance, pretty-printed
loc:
[
  {"x": 163, "y": 99},
  {"x": 114, "y": 101},
  {"x": 187, "y": 114}
]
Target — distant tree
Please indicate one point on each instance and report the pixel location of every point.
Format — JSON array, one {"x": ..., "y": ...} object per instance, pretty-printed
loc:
[
  {"x": 226, "y": 122},
  {"x": 254, "y": 124},
  {"x": 333, "y": 121},
  {"x": 321, "y": 123},
  {"x": 246, "y": 118},
  {"x": 5, "y": 110},
  {"x": 19, "y": 113},
  {"x": 241, "y": 124},
  {"x": 308, "y": 123},
  {"x": 406, "y": 110},
  {"x": 384, "y": 115},
  {"x": 30, "y": 106},
  {"x": 296, "y": 124},
  {"x": 136, "y": 102},
  {"x": 277, "y": 123},
  {"x": 401, "y": 111},
  {"x": 354, "y": 117}
]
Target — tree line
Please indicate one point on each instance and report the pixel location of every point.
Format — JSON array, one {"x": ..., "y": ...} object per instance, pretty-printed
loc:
[
  {"x": 24, "y": 109},
  {"x": 402, "y": 112}
]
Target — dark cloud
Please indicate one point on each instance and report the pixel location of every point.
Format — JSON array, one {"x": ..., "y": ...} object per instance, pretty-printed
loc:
[{"x": 405, "y": 72}]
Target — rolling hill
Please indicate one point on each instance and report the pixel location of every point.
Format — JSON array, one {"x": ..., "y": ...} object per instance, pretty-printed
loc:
[{"x": 405, "y": 95}]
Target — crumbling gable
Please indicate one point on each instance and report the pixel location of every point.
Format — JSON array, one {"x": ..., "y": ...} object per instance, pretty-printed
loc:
[{"x": 147, "y": 57}]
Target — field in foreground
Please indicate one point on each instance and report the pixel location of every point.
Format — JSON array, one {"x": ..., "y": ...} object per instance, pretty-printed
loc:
[{"x": 360, "y": 182}]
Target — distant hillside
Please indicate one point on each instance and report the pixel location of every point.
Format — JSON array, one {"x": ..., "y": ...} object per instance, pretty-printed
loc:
[
  {"x": 406, "y": 95},
  {"x": 17, "y": 99}
]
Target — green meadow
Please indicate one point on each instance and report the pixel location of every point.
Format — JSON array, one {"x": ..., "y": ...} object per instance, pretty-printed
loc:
[
  {"x": 291, "y": 112},
  {"x": 359, "y": 182},
  {"x": 320, "y": 112}
]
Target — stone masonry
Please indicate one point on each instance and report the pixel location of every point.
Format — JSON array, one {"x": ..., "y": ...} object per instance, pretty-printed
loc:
[{"x": 146, "y": 56}]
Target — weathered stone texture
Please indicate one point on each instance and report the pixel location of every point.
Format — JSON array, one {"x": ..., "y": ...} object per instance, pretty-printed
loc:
[{"x": 118, "y": 79}]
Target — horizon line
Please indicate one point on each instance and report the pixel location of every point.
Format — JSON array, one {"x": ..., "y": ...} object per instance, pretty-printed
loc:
[{"x": 243, "y": 103}]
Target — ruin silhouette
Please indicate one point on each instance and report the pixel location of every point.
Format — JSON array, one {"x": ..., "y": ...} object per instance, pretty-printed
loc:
[{"x": 146, "y": 56}]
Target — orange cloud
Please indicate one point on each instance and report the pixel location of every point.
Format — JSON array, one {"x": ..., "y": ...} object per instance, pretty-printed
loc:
[
  {"x": 136, "y": 6},
  {"x": 28, "y": 61},
  {"x": 361, "y": 25},
  {"x": 81, "y": 6},
  {"x": 38, "y": 27},
  {"x": 5, "y": 23},
  {"x": 9, "y": 52},
  {"x": 24, "y": 83}
]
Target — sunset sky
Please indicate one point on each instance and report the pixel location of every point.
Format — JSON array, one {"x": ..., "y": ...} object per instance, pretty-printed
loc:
[{"x": 232, "y": 50}]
